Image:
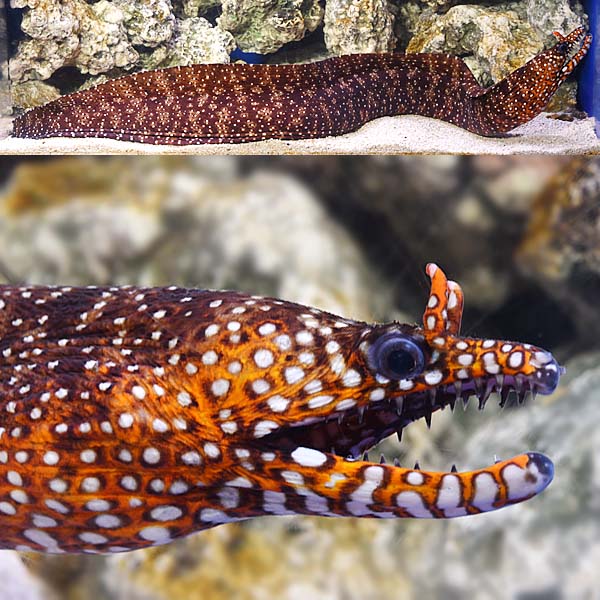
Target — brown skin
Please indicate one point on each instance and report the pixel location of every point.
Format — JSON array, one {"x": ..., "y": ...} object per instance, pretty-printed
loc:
[{"x": 206, "y": 104}]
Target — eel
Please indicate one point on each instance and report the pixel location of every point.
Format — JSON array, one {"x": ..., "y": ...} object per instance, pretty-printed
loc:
[
  {"x": 134, "y": 416},
  {"x": 234, "y": 103}
]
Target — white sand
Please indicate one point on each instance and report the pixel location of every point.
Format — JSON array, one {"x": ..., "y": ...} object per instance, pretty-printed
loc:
[{"x": 389, "y": 135}]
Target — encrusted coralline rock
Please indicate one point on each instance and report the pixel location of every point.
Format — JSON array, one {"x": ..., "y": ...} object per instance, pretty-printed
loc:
[
  {"x": 493, "y": 41},
  {"x": 264, "y": 26},
  {"x": 196, "y": 41},
  {"x": 194, "y": 8},
  {"x": 91, "y": 37},
  {"x": 33, "y": 93},
  {"x": 148, "y": 22},
  {"x": 354, "y": 26},
  {"x": 561, "y": 249},
  {"x": 547, "y": 16}
]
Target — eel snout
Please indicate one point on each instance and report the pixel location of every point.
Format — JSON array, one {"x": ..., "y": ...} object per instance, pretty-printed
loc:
[{"x": 408, "y": 373}]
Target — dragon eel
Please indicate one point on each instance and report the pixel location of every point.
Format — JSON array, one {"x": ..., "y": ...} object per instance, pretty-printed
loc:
[
  {"x": 133, "y": 416},
  {"x": 218, "y": 103}
]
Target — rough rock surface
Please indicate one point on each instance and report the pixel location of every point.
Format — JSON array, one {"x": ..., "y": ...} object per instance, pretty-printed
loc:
[
  {"x": 560, "y": 248},
  {"x": 359, "y": 26},
  {"x": 165, "y": 222},
  {"x": 264, "y": 26},
  {"x": 194, "y": 8},
  {"x": 148, "y": 22},
  {"x": 91, "y": 37},
  {"x": 33, "y": 93},
  {"x": 196, "y": 41},
  {"x": 493, "y": 41}
]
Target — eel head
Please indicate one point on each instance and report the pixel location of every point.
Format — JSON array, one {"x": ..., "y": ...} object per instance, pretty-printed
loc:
[
  {"x": 525, "y": 92},
  {"x": 370, "y": 382}
]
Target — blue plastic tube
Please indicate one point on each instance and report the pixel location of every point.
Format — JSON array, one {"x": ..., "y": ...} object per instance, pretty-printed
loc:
[{"x": 589, "y": 75}]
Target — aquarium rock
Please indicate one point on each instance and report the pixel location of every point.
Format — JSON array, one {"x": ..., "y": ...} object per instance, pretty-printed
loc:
[
  {"x": 264, "y": 26},
  {"x": 355, "y": 26},
  {"x": 493, "y": 41},
  {"x": 90, "y": 37},
  {"x": 29, "y": 94},
  {"x": 197, "y": 41},
  {"x": 149, "y": 223},
  {"x": 560, "y": 248},
  {"x": 148, "y": 22},
  {"x": 194, "y": 8},
  {"x": 547, "y": 16}
]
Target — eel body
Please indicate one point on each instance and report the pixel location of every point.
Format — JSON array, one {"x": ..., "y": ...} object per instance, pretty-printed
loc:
[
  {"x": 236, "y": 103},
  {"x": 133, "y": 416}
]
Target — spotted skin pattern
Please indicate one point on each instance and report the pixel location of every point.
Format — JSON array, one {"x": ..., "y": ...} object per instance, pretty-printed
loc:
[
  {"x": 204, "y": 104},
  {"x": 133, "y": 416}
]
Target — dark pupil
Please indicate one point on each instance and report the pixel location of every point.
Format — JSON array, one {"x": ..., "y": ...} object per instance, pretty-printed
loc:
[{"x": 400, "y": 361}]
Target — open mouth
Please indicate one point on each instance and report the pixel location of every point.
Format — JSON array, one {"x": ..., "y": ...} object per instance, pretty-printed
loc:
[
  {"x": 352, "y": 433},
  {"x": 574, "y": 47},
  {"x": 426, "y": 370}
]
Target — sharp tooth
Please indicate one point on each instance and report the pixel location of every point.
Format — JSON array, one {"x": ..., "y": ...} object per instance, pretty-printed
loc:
[
  {"x": 361, "y": 414},
  {"x": 451, "y": 403},
  {"x": 465, "y": 400},
  {"x": 399, "y": 405},
  {"x": 499, "y": 382},
  {"x": 521, "y": 387},
  {"x": 519, "y": 381},
  {"x": 340, "y": 418},
  {"x": 428, "y": 420},
  {"x": 504, "y": 396},
  {"x": 397, "y": 462},
  {"x": 366, "y": 456},
  {"x": 453, "y": 469},
  {"x": 332, "y": 450},
  {"x": 399, "y": 435},
  {"x": 417, "y": 467},
  {"x": 533, "y": 392},
  {"x": 382, "y": 460},
  {"x": 431, "y": 396},
  {"x": 496, "y": 459},
  {"x": 478, "y": 385},
  {"x": 488, "y": 390}
]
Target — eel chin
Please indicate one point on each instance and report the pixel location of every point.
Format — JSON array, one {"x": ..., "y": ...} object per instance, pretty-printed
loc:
[{"x": 319, "y": 458}]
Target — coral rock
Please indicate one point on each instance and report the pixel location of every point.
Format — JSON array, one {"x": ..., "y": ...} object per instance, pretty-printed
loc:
[
  {"x": 197, "y": 41},
  {"x": 70, "y": 33},
  {"x": 353, "y": 26},
  {"x": 148, "y": 22},
  {"x": 264, "y": 26}
]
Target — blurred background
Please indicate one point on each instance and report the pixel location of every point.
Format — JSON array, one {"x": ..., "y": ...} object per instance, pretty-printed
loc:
[{"x": 350, "y": 235}]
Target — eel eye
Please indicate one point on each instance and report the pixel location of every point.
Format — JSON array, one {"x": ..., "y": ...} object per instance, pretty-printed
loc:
[
  {"x": 396, "y": 356},
  {"x": 563, "y": 47}
]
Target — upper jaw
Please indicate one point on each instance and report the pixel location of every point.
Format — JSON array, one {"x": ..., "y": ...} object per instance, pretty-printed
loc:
[{"x": 352, "y": 432}]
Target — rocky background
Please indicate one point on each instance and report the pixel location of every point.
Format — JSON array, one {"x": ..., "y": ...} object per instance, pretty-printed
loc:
[
  {"x": 350, "y": 235},
  {"x": 59, "y": 46}
]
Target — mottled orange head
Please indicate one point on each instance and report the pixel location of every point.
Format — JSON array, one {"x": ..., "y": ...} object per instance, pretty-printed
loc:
[{"x": 134, "y": 416}]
